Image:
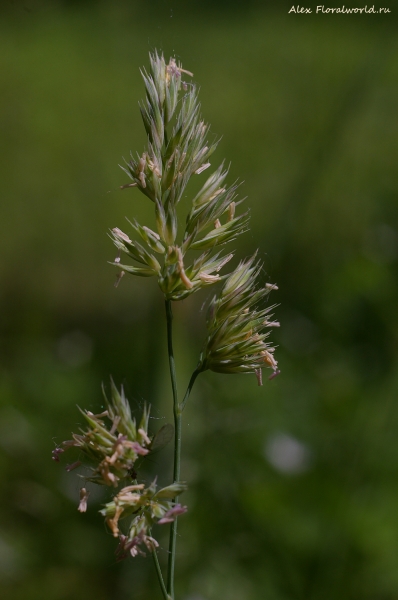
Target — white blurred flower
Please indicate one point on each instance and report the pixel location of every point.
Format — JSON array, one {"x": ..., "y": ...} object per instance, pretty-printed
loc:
[{"x": 287, "y": 454}]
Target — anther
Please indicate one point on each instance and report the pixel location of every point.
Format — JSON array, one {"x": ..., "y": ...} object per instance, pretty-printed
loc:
[
  {"x": 259, "y": 375},
  {"x": 118, "y": 278}
]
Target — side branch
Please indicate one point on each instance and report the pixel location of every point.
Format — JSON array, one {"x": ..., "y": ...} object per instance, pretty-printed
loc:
[
  {"x": 189, "y": 388},
  {"x": 159, "y": 574}
]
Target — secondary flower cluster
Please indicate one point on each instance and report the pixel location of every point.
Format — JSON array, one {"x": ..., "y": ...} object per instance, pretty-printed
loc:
[
  {"x": 114, "y": 448},
  {"x": 162, "y": 173},
  {"x": 237, "y": 326},
  {"x": 149, "y": 506}
]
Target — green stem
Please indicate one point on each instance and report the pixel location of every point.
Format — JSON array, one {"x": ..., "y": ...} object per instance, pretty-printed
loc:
[
  {"x": 177, "y": 446},
  {"x": 159, "y": 574},
  {"x": 169, "y": 316},
  {"x": 177, "y": 411}
]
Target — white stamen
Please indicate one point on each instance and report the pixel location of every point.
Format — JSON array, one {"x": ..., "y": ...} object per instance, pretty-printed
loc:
[
  {"x": 206, "y": 278},
  {"x": 84, "y": 494},
  {"x": 118, "y": 278},
  {"x": 141, "y": 177},
  {"x": 259, "y": 375},
  {"x": 121, "y": 235},
  {"x": 183, "y": 276},
  {"x": 224, "y": 262},
  {"x": 269, "y": 359},
  {"x": 144, "y": 436},
  {"x": 216, "y": 193},
  {"x": 156, "y": 235},
  {"x": 202, "y": 168},
  {"x": 114, "y": 425},
  {"x": 128, "y": 185}
]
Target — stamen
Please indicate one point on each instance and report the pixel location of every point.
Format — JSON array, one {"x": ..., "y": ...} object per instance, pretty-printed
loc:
[
  {"x": 272, "y": 323},
  {"x": 56, "y": 452},
  {"x": 73, "y": 466},
  {"x": 128, "y": 185},
  {"x": 206, "y": 278},
  {"x": 259, "y": 375},
  {"x": 114, "y": 425},
  {"x": 121, "y": 235},
  {"x": 224, "y": 262},
  {"x": 202, "y": 168},
  {"x": 144, "y": 436},
  {"x": 84, "y": 494},
  {"x": 274, "y": 374},
  {"x": 118, "y": 278},
  {"x": 150, "y": 232}
]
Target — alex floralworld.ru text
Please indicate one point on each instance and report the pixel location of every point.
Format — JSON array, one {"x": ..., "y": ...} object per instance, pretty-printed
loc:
[{"x": 339, "y": 10}]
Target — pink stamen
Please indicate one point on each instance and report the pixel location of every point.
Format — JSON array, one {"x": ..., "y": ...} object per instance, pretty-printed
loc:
[{"x": 274, "y": 374}]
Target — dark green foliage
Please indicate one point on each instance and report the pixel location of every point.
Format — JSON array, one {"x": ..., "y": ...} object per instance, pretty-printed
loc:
[{"x": 307, "y": 109}]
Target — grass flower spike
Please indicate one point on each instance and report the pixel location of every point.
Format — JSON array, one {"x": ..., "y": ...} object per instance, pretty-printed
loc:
[
  {"x": 237, "y": 325},
  {"x": 184, "y": 258},
  {"x": 149, "y": 507},
  {"x": 113, "y": 448},
  {"x": 162, "y": 173}
]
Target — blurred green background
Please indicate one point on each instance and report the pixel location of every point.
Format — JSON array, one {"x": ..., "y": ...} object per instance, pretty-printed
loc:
[{"x": 293, "y": 486}]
